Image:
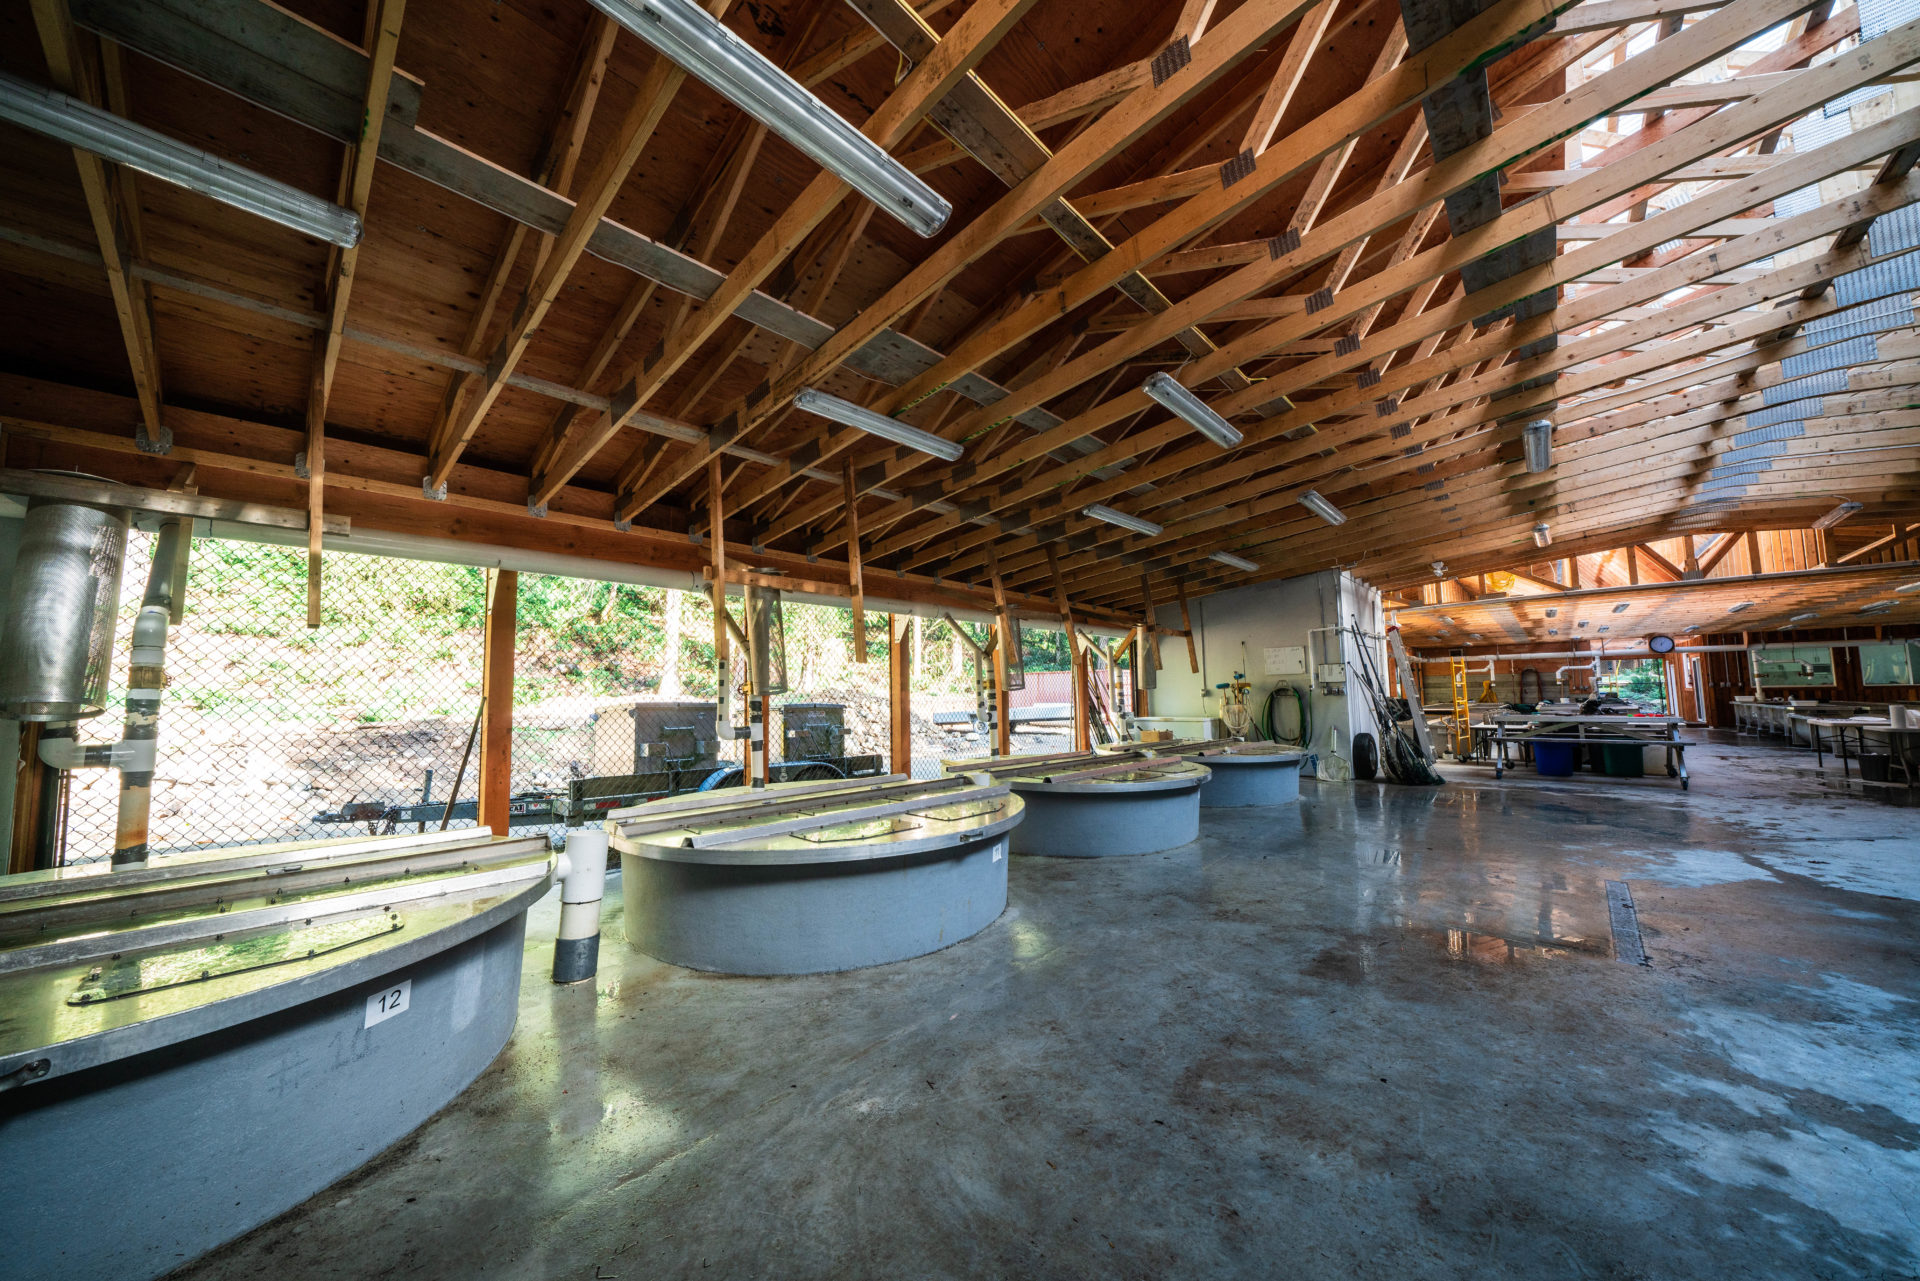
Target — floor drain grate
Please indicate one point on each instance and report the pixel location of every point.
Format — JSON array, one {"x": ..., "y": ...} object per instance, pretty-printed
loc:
[{"x": 1626, "y": 924}]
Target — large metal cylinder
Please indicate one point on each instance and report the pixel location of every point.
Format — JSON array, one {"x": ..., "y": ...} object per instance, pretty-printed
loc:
[{"x": 61, "y": 611}]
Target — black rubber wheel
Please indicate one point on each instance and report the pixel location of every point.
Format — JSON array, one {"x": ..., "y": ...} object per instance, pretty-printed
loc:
[
  {"x": 1366, "y": 757},
  {"x": 813, "y": 772},
  {"x": 725, "y": 776}
]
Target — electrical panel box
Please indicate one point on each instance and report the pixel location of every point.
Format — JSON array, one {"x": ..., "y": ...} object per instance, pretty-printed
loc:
[
  {"x": 1286, "y": 660},
  {"x": 1332, "y": 674}
]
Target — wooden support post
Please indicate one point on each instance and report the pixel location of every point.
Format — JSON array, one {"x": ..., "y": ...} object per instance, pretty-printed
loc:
[
  {"x": 1149, "y": 628},
  {"x": 899, "y": 694},
  {"x": 1753, "y": 552},
  {"x": 1002, "y": 704},
  {"x": 316, "y": 462},
  {"x": 496, "y": 694},
  {"x": 853, "y": 566},
  {"x": 722, "y": 639},
  {"x": 32, "y": 779},
  {"x": 1633, "y": 566},
  {"x": 1186, "y": 625},
  {"x": 1076, "y": 657}
]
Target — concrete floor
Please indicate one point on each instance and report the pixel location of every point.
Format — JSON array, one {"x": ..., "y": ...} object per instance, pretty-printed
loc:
[{"x": 1381, "y": 1034}]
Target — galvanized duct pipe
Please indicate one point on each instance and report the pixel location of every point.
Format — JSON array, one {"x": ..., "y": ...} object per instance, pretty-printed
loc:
[{"x": 133, "y": 755}]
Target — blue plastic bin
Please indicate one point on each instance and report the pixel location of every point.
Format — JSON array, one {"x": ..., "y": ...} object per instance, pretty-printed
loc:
[{"x": 1553, "y": 758}]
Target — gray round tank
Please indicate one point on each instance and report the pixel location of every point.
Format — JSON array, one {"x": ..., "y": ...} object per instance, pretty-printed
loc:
[
  {"x": 1131, "y": 812},
  {"x": 191, "y": 1054},
  {"x": 61, "y": 611},
  {"x": 830, "y": 896},
  {"x": 1251, "y": 774}
]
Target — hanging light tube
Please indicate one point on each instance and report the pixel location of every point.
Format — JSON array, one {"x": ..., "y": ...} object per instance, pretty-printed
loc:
[
  {"x": 693, "y": 38},
  {"x": 1838, "y": 514},
  {"x": 1313, "y": 502},
  {"x": 1192, "y": 410},
  {"x": 819, "y": 402},
  {"x": 1124, "y": 521},
  {"x": 1542, "y": 535},
  {"x": 78, "y": 124},
  {"x": 1537, "y": 437},
  {"x": 1234, "y": 562}
]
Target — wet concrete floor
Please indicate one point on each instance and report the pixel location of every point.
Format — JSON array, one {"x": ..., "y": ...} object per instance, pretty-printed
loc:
[{"x": 1384, "y": 1033}]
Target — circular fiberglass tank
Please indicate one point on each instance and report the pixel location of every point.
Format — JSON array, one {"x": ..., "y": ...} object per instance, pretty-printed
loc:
[
  {"x": 163, "y": 1113},
  {"x": 837, "y": 896},
  {"x": 1251, "y": 774},
  {"x": 1143, "y": 811}
]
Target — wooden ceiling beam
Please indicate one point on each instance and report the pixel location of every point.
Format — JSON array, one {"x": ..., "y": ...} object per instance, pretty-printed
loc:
[
  {"x": 1309, "y": 451},
  {"x": 1014, "y": 163},
  {"x": 356, "y": 186},
  {"x": 111, "y": 213},
  {"x": 970, "y": 40},
  {"x": 451, "y": 435},
  {"x": 555, "y": 171},
  {"x": 1596, "y": 304},
  {"x": 1708, "y": 38},
  {"x": 1287, "y": 77},
  {"x": 1376, "y": 101}
]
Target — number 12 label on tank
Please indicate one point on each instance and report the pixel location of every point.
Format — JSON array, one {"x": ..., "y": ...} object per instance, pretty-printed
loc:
[{"x": 389, "y": 1001}]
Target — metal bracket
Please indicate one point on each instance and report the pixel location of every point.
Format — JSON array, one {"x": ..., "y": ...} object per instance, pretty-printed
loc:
[
  {"x": 538, "y": 510},
  {"x": 300, "y": 466},
  {"x": 622, "y": 526},
  {"x": 149, "y": 445},
  {"x": 438, "y": 493}
]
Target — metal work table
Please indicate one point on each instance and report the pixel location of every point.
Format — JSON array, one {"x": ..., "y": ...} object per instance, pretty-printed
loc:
[
  {"x": 230, "y": 1031},
  {"x": 1900, "y": 742},
  {"x": 1140, "y": 798},
  {"x": 1587, "y": 731},
  {"x": 802, "y": 878}
]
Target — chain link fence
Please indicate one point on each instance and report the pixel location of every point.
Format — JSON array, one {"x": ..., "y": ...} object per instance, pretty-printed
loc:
[
  {"x": 270, "y": 731},
  {"x": 945, "y": 724}
]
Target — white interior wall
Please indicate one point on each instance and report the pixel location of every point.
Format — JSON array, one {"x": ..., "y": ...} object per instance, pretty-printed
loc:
[{"x": 1234, "y": 630}]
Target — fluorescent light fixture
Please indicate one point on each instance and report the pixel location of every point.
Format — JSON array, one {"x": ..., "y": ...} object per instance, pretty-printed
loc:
[
  {"x": 1542, "y": 536},
  {"x": 1622, "y": 607},
  {"x": 691, "y": 37},
  {"x": 818, "y": 402},
  {"x": 1124, "y": 521},
  {"x": 1235, "y": 562},
  {"x": 1801, "y": 618},
  {"x": 1537, "y": 438},
  {"x": 1743, "y": 605},
  {"x": 1692, "y": 629},
  {"x": 1838, "y": 514},
  {"x": 1908, "y": 587},
  {"x": 1878, "y": 607},
  {"x": 1446, "y": 619},
  {"x": 79, "y": 124},
  {"x": 1191, "y": 410},
  {"x": 1313, "y": 502}
]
